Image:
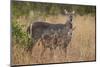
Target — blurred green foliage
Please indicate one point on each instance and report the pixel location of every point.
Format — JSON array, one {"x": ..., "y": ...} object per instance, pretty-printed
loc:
[
  {"x": 23, "y": 8},
  {"x": 20, "y": 36}
]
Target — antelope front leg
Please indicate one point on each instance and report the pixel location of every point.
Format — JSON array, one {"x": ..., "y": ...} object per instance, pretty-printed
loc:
[
  {"x": 44, "y": 48},
  {"x": 65, "y": 50},
  {"x": 42, "y": 53},
  {"x": 51, "y": 52}
]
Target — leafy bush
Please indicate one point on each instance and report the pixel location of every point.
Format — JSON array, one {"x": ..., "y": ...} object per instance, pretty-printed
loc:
[{"x": 21, "y": 37}]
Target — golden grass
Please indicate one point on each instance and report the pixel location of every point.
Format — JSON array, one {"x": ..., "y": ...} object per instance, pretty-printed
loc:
[{"x": 81, "y": 48}]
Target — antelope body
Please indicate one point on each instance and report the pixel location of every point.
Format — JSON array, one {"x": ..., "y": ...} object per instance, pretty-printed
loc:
[{"x": 52, "y": 35}]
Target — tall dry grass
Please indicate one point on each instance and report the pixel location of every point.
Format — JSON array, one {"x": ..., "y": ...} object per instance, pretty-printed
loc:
[{"x": 81, "y": 48}]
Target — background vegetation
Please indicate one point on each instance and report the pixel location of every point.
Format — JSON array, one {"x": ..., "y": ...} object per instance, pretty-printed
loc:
[{"x": 23, "y": 8}]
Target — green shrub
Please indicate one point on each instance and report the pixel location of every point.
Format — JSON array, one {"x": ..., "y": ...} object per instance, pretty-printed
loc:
[{"x": 21, "y": 37}]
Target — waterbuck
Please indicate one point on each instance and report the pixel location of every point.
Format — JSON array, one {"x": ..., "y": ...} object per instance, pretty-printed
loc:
[{"x": 52, "y": 35}]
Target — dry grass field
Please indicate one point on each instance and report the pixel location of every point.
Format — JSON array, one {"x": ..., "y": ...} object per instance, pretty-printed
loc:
[{"x": 81, "y": 48}]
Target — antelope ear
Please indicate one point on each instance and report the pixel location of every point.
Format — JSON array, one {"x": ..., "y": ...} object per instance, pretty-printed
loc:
[
  {"x": 73, "y": 12},
  {"x": 66, "y": 12}
]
